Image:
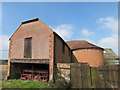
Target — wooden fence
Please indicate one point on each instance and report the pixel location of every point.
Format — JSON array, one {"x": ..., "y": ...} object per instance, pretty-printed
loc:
[{"x": 84, "y": 76}]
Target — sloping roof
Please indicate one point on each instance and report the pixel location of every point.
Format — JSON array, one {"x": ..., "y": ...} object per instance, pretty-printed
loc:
[
  {"x": 109, "y": 53},
  {"x": 82, "y": 44},
  {"x": 61, "y": 39},
  {"x": 37, "y": 19},
  {"x": 32, "y": 20}
]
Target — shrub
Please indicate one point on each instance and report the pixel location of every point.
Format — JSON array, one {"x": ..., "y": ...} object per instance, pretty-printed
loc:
[{"x": 59, "y": 82}]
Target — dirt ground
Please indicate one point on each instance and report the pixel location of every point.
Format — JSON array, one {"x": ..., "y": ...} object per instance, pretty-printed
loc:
[{"x": 3, "y": 69}]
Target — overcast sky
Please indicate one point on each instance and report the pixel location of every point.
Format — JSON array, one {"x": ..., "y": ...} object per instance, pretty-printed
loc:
[{"x": 95, "y": 22}]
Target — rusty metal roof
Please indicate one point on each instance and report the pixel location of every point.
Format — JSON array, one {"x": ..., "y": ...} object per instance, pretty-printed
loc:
[{"x": 82, "y": 44}]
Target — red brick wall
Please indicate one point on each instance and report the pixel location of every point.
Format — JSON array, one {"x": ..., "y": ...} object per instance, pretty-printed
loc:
[
  {"x": 61, "y": 57},
  {"x": 40, "y": 40},
  {"x": 42, "y": 43},
  {"x": 94, "y": 57},
  {"x": 51, "y": 55}
]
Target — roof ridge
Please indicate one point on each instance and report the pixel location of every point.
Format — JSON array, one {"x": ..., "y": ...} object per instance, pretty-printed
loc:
[
  {"x": 81, "y": 44},
  {"x": 31, "y": 20},
  {"x": 107, "y": 48},
  {"x": 75, "y": 40}
]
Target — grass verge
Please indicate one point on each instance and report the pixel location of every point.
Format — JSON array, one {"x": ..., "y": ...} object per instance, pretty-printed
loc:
[{"x": 18, "y": 83}]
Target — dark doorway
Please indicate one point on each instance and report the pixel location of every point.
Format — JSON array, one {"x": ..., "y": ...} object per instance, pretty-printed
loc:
[
  {"x": 29, "y": 71},
  {"x": 27, "y": 47}
]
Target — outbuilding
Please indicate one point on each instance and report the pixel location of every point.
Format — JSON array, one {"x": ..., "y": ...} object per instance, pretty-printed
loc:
[
  {"x": 85, "y": 52},
  {"x": 36, "y": 49},
  {"x": 110, "y": 57}
]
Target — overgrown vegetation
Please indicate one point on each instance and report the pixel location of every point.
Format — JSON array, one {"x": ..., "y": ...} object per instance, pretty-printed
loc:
[
  {"x": 18, "y": 83},
  {"x": 59, "y": 82}
]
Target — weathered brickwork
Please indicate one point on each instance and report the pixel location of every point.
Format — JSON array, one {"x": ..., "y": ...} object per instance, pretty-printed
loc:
[
  {"x": 42, "y": 44},
  {"x": 9, "y": 56},
  {"x": 45, "y": 45},
  {"x": 61, "y": 56},
  {"x": 40, "y": 40},
  {"x": 94, "y": 57},
  {"x": 86, "y": 52},
  {"x": 48, "y": 45},
  {"x": 51, "y": 55}
]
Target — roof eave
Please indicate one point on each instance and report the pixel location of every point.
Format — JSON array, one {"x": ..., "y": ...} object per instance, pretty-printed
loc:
[{"x": 87, "y": 48}]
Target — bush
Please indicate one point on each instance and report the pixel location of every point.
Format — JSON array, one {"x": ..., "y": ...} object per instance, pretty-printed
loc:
[{"x": 59, "y": 82}]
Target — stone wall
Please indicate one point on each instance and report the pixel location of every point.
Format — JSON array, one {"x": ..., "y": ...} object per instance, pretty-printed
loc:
[{"x": 64, "y": 70}]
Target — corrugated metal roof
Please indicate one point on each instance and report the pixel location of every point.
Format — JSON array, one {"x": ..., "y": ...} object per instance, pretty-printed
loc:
[{"x": 82, "y": 44}]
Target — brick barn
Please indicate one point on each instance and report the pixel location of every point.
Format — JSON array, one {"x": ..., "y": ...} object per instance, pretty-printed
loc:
[
  {"x": 35, "y": 51},
  {"x": 36, "y": 47},
  {"x": 85, "y": 52}
]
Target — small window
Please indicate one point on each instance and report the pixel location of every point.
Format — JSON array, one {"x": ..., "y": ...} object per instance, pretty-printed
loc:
[{"x": 27, "y": 47}]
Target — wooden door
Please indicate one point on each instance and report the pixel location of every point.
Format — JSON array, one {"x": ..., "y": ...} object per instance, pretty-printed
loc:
[{"x": 27, "y": 48}]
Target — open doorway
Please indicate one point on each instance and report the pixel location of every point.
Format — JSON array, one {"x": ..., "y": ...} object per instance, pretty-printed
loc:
[{"x": 27, "y": 71}]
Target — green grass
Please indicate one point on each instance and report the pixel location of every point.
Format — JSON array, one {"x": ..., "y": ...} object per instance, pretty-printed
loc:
[{"x": 18, "y": 83}]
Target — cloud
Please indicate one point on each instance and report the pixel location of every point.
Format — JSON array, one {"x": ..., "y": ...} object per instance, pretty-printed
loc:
[
  {"x": 64, "y": 30},
  {"x": 85, "y": 32},
  {"x": 110, "y": 42},
  {"x": 4, "y": 42},
  {"x": 4, "y": 46},
  {"x": 109, "y": 22},
  {"x": 88, "y": 39}
]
